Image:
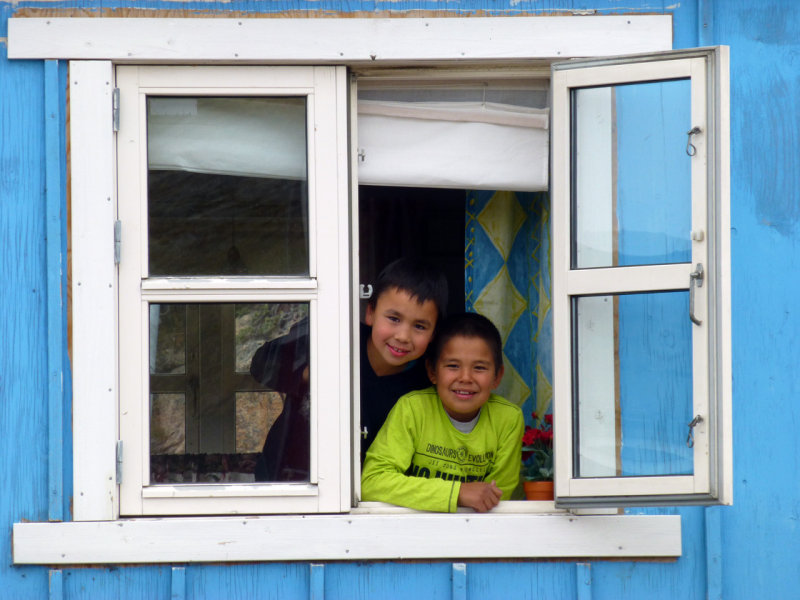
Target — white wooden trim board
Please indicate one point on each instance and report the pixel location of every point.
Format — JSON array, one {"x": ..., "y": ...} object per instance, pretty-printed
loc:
[
  {"x": 321, "y": 41},
  {"x": 94, "y": 289},
  {"x": 350, "y": 537}
]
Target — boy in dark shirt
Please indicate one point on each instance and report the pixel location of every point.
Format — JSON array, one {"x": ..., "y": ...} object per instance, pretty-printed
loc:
[{"x": 408, "y": 300}]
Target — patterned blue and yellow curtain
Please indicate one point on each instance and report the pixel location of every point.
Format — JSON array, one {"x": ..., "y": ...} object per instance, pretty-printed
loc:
[{"x": 507, "y": 279}]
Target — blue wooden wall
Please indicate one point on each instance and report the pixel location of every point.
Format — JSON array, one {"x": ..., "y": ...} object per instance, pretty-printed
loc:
[{"x": 749, "y": 550}]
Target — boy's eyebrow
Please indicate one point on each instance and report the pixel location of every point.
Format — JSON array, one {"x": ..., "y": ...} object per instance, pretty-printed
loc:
[{"x": 458, "y": 359}]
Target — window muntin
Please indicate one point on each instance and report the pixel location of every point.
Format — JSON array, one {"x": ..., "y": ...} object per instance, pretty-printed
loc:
[{"x": 668, "y": 473}]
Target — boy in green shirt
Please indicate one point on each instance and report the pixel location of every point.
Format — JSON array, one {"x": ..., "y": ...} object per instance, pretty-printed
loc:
[{"x": 454, "y": 444}]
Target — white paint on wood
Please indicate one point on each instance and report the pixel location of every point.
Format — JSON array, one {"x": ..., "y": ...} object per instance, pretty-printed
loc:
[
  {"x": 580, "y": 282},
  {"x": 351, "y": 537},
  {"x": 292, "y": 41},
  {"x": 94, "y": 285},
  {"x": 723, "y": 381},
  {"x": 325, "y": 91}
]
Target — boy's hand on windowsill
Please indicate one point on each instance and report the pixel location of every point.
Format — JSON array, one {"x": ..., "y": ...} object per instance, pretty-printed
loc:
[{"x": 479, "y": 495}]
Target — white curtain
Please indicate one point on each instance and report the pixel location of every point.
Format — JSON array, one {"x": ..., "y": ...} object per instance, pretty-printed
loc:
[
  {"x": 471, "y": 145},
  {"x": 254, "y": 137}
]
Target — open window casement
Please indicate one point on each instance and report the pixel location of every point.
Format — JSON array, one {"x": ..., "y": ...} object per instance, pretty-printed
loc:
[
  {"x": 232, "y": 184},
  {"x": 641, "y": 284}
]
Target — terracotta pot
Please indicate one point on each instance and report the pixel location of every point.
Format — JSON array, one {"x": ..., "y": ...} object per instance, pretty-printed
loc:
[{"x": 538, "y": 490}]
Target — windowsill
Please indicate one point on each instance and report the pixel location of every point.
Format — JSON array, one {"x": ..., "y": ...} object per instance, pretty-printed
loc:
[
  {"x": 506, "y": 507},
  {"x": 384, "y": 533}
]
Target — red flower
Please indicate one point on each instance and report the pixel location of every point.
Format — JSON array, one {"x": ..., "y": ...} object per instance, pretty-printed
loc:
[
  {"x": 537, "y": 449},
  {"x": 530, "y": 435}
]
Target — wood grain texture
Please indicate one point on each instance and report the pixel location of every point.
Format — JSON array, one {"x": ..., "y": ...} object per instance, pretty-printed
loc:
[
  {"x": 56, "y": 289},
  {"x": 338, "y": 8},
  {"x": 23, "y": 320},
  {"x": 353, "y": 41},
  {"x": 122, "y": 583}
]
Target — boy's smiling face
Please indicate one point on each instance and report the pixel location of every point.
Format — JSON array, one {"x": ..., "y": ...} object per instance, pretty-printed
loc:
[
  {"x": 402, "y": 328},
  {"x": 465, "y": 375}
]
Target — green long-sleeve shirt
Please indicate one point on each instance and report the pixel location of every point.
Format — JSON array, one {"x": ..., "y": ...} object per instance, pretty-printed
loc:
[{"x": 419, "y": 459}]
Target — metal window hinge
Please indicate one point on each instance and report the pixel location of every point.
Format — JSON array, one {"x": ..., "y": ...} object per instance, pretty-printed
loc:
[
  {"x": 115, "y": 108},
  {"x": 117, "y": 241},
  {"x": 119, "y": 461}
]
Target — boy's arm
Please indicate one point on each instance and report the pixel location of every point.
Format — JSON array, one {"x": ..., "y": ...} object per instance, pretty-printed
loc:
[
  {"x": 383, "y": 477},
  {"x": 509, "y": 453}
]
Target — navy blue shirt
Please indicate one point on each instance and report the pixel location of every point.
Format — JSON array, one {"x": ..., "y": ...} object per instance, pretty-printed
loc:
[{"x": 379, "y": 394}]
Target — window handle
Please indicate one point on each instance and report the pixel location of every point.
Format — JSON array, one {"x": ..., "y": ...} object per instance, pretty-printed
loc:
[
  {"x": 694, "y": 422},
  {"x": 695, "y": 280}
]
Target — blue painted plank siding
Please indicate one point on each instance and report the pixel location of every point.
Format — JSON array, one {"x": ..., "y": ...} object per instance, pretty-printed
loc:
[
  {"x": 23, "y": 293},
  {"x": 761, "y": 535},
  {"x": 749, "y": 550}
]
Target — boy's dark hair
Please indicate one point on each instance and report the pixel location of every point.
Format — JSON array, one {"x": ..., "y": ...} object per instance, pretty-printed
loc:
[
  {"x": 419, "y": 278},
  {"x": 469, "y": 325}
]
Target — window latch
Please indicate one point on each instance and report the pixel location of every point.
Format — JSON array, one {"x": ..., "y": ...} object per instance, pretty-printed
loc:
[
  {"x": 692, "y": 424},
  {"x": 690, "y": 149}
]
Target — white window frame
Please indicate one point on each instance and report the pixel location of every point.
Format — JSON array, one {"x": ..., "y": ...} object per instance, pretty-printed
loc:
[
  {"x": 711, "y": 477},
  {"x": 325, "y": 93},
  {"x": 97, "y": 535}
]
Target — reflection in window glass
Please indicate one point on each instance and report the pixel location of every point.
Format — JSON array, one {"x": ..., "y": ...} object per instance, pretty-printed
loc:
[
  {"x": 227, "y": 186},
  {"x": 632, "y": 177},
  {"x": 168, "y": 339},
  {"x": 238, "y": 408},
  {"x": 257, "y": 322},
  {"x": 167, "y": 423},
  {"x": 256, "y": 412},
  {"x": 633, "y": 379}
]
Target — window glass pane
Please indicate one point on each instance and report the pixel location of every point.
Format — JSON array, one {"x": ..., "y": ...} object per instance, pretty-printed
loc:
[
  {"x": 227, "y": 186},
  {"x": 633, "y": 374},
  {"x": 631, "y": 174},
  {"x": 239, "y": 410}
]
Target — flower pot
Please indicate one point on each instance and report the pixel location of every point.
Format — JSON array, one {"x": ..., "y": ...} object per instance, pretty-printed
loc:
[{"x": 538, "y": 490}]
